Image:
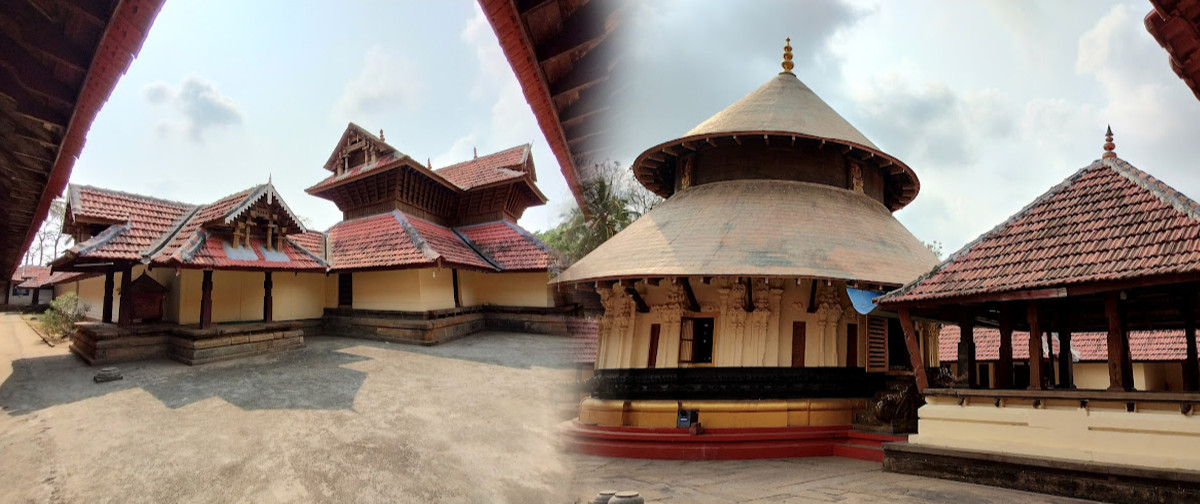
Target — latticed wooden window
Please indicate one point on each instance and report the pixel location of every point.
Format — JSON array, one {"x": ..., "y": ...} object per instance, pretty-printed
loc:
[
  {"x": 877, "y": 345},
  {"x": 696, "y": 341}
]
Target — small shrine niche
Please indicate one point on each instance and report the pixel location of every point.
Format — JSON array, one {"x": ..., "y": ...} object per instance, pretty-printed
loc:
[
  {"x": 147, "y": 295},
  {"x": 357, "y": 149},
  {"x": 265, "y": 221}
]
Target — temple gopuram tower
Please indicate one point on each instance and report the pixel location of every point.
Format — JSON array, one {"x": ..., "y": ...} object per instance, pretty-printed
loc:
[{"x": 743, "y": 302}]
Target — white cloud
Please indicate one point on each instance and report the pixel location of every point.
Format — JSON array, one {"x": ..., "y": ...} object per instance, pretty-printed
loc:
[
  {"x": 201, "y": 107},
  {"x": 388, "y": 83}
]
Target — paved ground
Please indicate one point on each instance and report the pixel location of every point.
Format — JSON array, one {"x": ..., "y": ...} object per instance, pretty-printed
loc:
[
  {"x": 340, "y": 420},
  {"x": 818, "y": 480}
]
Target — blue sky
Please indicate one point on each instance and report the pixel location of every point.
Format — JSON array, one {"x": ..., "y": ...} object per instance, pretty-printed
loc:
[{"x": 990, "y": 102}]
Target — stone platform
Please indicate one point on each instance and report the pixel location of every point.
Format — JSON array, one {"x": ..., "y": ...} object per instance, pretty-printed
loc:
[
  {"x": 438, "y": 326},
  {"x": 101, "y": 344}
]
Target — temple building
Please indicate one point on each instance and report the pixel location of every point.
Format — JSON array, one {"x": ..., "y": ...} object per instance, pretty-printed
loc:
[
  {"x": 1102, "y": 266},
  {"x": 743, "y": 301},
  {"x": 422, "y": 256}
]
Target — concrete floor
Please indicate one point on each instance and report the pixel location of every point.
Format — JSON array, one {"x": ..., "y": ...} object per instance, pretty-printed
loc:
[
  {"x": 338, "y": 421},
  {"x": 817, "y": 480},
  {"x": 345, "y": 420}
]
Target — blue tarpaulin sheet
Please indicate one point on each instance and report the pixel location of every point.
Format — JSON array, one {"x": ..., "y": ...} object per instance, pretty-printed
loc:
[{"x": 864, "y": 300}]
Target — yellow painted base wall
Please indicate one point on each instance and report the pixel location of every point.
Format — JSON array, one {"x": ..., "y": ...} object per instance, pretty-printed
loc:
[
  {"x": 1156, "y": 435},
  {"x": 237, "y": 296},
  {"x": 505, "y": 289},
  {"x": 722, "y": 414},
  {"x": 91, "y": 292}
]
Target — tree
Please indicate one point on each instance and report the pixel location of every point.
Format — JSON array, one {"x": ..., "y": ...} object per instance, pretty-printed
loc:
[
  {"x": 614, "y": 201},
  {"x": 49, "y": 239}
]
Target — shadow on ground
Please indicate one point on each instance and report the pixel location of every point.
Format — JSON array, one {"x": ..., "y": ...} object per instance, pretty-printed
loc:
[{"x": 313, "y": 377}]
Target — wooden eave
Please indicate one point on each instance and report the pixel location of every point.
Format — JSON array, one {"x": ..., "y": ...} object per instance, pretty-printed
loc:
[
  {"x": 59, "y": 61},
  {"x": 655, "y": 168},
  {"x": 561, "y": 52}
]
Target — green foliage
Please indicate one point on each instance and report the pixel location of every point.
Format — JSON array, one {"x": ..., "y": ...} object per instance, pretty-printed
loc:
[
  {"x": 614, "y": 201},
  {"x": 935, "y": 247},
  {"x": 65, "y": 310}
]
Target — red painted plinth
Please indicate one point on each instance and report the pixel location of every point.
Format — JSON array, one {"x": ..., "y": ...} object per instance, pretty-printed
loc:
[{"x": 724, "y": 444}]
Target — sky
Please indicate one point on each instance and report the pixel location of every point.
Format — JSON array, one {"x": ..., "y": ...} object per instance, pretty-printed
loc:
[{"x": 991, "y": 103}]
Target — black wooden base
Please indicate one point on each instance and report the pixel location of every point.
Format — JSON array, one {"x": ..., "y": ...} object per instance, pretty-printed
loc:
[
  {"x": 1081, "y": 480},
  {"x": 735, "y": 383}
]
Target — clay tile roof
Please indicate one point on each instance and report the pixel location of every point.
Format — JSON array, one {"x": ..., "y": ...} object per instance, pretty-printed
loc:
[
  {"x": 489, "y": 169},
  {"x": 761, "y": 228},
  {"x": 1108, "y": 221},
  {"x": 29, "y": 277},
  {"x": 508, "y": 246},
  {"x": 363, "y": 170},
  {"x": 1157, "y": 345},
  {"x": 210, "y": 252},
  {"x": 397, "y": 240},
  {"x": 312, "y": 241},
  {"x": 139, "y": 221}
]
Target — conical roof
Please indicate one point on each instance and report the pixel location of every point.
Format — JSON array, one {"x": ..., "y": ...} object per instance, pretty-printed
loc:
[
  {"x": 784, "y": 109},
  {"x": 769, "y": 228},
  {"x": 783, "y": 105}
]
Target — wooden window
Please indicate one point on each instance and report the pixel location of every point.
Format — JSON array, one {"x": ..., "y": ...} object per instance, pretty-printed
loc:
[
  {"x": 877, "y": 345},
  {"x": 851, "y": 345},
  {"x": 652, "y": 358},
  {"x": 696, "y": 341},
  {"x": 345, "y": 290},
  {"x": 799, "y": 341}
]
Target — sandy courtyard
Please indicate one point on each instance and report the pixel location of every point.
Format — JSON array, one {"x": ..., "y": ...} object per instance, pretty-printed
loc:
[{"x": 338, "y": 421}]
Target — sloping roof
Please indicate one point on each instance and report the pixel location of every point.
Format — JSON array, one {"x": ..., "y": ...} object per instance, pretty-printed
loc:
[
  {"x": 213, "y": 252},
  {"x": 489, "y": 169},
  {"x": 367, "y": 135},
  {"x": 1108, "y": 221},
  {"x": 784, "y": 106},
  {"x": 140, "y": 221},
  {"x": 1158, "y": 345},
  {"x": 34, "y": 275},
  {"x": 508, "y": 246},
  {"x": 363, "y": 170},
  {"x": 312, "y": 241},
  {"x": 761, "y": 228},
  {"x": 446, "y": 245}
]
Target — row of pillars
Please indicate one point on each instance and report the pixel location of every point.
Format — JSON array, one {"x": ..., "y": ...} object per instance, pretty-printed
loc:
[
  {"x": 1120, "y": 364},
  {"x": 125, "y": 318}
]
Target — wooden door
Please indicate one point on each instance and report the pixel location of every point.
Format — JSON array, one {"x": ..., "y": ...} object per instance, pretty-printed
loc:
[
  {"x": 345, "y": 290},
  {"x": 852, "y": 345},
  {"x": 652, "y": 359},
  {"x": 798, "y": 343}
]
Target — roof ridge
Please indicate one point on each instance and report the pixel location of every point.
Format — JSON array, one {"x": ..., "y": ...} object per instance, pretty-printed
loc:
[
  {"x": 158, "y": 245},
  {"x": 1156, "y": 187},
  {"x": 1067, "y": 182},
  {"x": 415, "y": 236},
  {"x": 471, "y": 245},
  {"x": 305, "y": 251},
  {"x": 501, "y": 151},
  {"x": 131, "y": 195}
]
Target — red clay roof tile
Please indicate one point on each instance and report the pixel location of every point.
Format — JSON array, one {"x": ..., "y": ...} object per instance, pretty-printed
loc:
[
  {"x": 1157, "y": 345},
  {"x": 508, "y": 246},
  {"x": 489, "y": 169}
]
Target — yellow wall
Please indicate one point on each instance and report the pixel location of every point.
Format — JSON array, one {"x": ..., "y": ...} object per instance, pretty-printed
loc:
[
  {"x": 237, "y": 296},
  {"x": 505, "y": 289},
  {"x": 402, "y": 290},
  {"x": 1155, "y": 435}
]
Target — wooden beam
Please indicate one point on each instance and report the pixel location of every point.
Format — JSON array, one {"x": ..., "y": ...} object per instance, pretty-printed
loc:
[
  {"x": 749, "y": 307},
  {"x": 454, "y": 280},
  {"x": 691, "y": 296},
  {"x": 812, "y": 297},
  {"x": 1035, "y": 347},
  {"x": 914, "y": 349},
  {"x": 109, "y": 285},
  {"x": 32, "y": 34},
  {"x": 1191, "y": 368},
  {"x": 206, "y": 300},
  {"x": 268, "y": 299},
  {"x": 1120, "y": 376},
  {"x": 589, "y": 71},
  {"x": 586, "y": 26},
  {"x": 966, "y": 375},
  {"x": 1004, "y": 362},
  {"x": 642, "y": 307}
]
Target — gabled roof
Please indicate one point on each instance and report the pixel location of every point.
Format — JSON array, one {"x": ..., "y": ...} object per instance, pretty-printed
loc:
[
  {"x": 367, "y": 135},
  {"x": 1109, "y": 221},
  {"x": 30, "y": 273},
  {"x": 43, "y": 281},
  {"x": 501, "y": 166},
  {"x": 312, "y": 241},
  {"x": 1157, "y": 345},
  {"x": 139, "y": 221},
  {"x": 228, "y": 209}
]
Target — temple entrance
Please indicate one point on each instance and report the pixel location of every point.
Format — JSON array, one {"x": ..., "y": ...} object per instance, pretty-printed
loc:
[{"x": 345, "y": 290}]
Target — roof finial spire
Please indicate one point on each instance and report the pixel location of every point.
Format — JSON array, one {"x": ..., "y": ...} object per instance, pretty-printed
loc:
[
  {"x": 429, "y": 163},
  {"x": 1109, "y": 146},
  {"x": 381, "y": 139},
  {"x": 787, "y": 57},
  {"x": 476, "y": 151}
]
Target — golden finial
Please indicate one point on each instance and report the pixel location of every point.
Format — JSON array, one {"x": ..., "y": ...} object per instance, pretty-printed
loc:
[
  {"x": 787, "y": 57},
  {"x": 381, "y": 139},
  {"x": 429, "y": 163},
  {"x": 1109, "y": 146}
]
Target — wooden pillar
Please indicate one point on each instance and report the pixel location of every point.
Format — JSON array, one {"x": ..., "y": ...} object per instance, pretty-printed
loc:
[
  {"x": 125, "y": 317},
  {"x": 37, "y": 294},
  {"x": 457, "y": 296},
  {"x": 1066, "y": 375},
  {"x": 1120, "y": 375},
  {"x": 967, "y": 371},
  {"x": 268, "y": 301},
  {"x": 914, "y": 349},
  {"x": 109, "y": 285},
  {"x": 206, "y": 300},
  {"x": 1191, "y": 369},
  {"x": 1035, "y": 348},
  {"x": 7, "y": 293},
  {"x": 1004, "y": 362}
]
